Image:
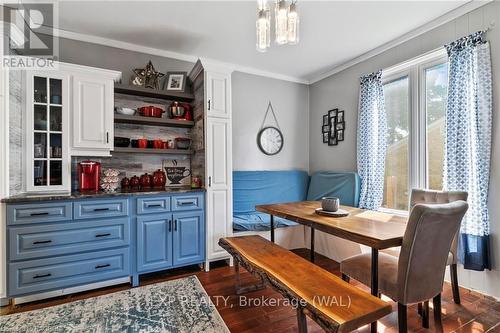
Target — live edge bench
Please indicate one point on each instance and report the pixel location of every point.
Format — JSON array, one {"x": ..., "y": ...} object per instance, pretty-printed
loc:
[{"x": 334, "y": 304}]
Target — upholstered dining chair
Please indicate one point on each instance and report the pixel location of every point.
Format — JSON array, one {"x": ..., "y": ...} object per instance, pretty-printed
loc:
[
  {"x": 439, "y": 197},
  {"x": 417, "y": 275}
]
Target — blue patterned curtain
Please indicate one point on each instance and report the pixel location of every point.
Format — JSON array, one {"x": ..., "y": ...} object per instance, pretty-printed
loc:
[
  {"x": 468, "y": 142},
  {"x": 372, "y": 141}
]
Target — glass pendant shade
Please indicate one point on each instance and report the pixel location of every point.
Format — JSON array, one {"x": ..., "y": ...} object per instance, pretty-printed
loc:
[
  {"x": 263, "y": 28},
  {"x": 293, "y": 24},
  {"x": 281, "y": 21}
]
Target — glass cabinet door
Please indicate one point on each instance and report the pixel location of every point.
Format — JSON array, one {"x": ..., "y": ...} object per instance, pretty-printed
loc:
[{"x": 47, "y": 132}]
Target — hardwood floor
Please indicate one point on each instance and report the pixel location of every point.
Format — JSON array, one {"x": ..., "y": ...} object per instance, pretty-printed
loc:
[{"x": 477, "y": 313}]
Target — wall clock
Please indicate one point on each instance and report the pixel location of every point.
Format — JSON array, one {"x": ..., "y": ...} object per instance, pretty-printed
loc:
[{"x": 270, "y": 140}]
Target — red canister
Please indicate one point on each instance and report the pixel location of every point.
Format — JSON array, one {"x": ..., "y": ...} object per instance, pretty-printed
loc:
[
  {"x": 159, "y": 178},
  {"x": 145, "y": 181},
  {"x": 134, "y": 182}
]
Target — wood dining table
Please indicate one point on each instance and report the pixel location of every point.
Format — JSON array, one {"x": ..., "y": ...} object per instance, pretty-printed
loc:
[{"x": 375, "y": 229}]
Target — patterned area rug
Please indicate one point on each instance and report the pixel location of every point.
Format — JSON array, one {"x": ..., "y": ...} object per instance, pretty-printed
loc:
[{"x": 180, "y": 305}]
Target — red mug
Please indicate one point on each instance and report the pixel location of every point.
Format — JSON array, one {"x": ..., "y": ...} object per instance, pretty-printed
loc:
[
  {"x": 142, "y": 143},
  {"x": 158, "y": 144}
]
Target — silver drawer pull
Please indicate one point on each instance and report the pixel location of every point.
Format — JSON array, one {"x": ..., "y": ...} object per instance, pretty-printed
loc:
[
  {"x": 102, "y": 266},
  {"x": 41, "y": 276},
  {"x": 102, "y": 235},
  {"x": 185, "y": 203},
  {"x": 39, "y": 214},
  {"x": 153, "y": 205},
  {"x": 42, "y": 242},
  {"x": 101, "y": 209}
]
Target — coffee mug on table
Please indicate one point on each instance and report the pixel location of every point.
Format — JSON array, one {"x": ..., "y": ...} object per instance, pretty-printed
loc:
[{"x": 330, "y": 204}]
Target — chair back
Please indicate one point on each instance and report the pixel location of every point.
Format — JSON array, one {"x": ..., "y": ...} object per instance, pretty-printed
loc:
[
  {"x": 424, "y": 252},
  {"x": 438, "y": 197}
]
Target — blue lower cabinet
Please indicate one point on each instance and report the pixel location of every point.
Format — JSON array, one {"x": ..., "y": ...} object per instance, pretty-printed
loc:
[
  {"x": 34, "y": 276},
  {"x": 189, "y": 238},
  {"x": 154, "y": 242}
]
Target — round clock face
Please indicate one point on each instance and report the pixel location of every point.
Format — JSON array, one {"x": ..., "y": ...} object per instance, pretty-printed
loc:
[{"x": 270, "y": 140}]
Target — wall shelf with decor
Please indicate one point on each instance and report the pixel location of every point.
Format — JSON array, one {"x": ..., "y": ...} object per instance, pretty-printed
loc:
[
  {"x": 152, "y": 121},
  {"x": 153, "y": 93},
  {"x": 152, "y": 151}
]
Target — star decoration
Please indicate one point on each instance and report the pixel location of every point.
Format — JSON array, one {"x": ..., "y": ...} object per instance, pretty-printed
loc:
[{"x": 147, "y": 77}]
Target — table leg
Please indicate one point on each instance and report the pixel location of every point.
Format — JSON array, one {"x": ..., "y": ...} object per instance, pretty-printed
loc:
[
  {"x": 272, "y": 228},
  {"x": 374, "y": 282},
  {"x": 312, "y": 244}
]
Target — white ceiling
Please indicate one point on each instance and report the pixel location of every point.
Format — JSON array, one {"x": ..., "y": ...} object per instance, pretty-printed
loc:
[{"x": 331, "y": 32}]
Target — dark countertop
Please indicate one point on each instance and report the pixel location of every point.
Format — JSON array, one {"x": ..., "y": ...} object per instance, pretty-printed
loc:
[{"x": 33, "y": 197}]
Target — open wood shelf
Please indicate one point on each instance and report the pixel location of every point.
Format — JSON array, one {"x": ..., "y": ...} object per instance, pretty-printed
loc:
[
  {"x": 152, "y": 151},
  {"x": 153, "y": 93},
  {"x": 120, "y": 118}
]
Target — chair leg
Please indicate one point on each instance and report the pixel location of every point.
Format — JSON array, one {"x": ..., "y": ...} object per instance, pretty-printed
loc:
[
  {"x": 436, "y": 301},
  {"x": 454, "y": 283},
  {"x": 301, "y": 320},
  {"x": 425, "y": 315},
  {"x": 345, "y": 278},
  {"x": 403, "y": 327},
  {"x": 419, "y": 309}
]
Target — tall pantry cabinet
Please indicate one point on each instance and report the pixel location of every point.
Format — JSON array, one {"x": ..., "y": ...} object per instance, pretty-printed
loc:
[{"x": 213, "y": 149}]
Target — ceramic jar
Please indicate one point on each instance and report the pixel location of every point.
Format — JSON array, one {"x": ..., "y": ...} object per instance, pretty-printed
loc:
[{"x": 159, "y": 178}]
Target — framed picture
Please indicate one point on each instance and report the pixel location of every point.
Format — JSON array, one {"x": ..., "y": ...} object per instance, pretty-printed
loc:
[
  {"x": 325, "y": 128},
  {"x": 340, "y": 126},
  {"x": 178, "y": 172},
  {"x": 332, "y": 113},
  {"x": 326, "y": 136},
  {"x": 340, "y": 116},
  {"x": 325, "y": 120},
  {"x": 332, "y": 141},
  {"x": 340, "y": 135},
  {"x": 175, "y": 81}
]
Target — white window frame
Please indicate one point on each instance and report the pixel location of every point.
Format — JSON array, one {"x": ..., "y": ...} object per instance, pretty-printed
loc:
[{"x": 417, "y": 140}]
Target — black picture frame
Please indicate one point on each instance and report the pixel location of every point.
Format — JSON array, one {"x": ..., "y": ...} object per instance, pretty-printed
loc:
[
  {"x": 175, "y": 81},
  {"x": 340, "y": 135},
  {"x": 340, "y": 116},
  {"x": 332, "y": 113},
  {"x": 340, "y": 126},
  {"x": 325, "y": 129},
  {"x": 326, "y": 120},
  {"x": 326, "y": 137},
  {"x": 332, "y": 141}
]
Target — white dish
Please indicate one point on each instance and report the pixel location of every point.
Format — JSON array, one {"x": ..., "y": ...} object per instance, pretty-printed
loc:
[
  {"x": 338, "y": 213},
  {"x": 111, "y": 172},
  {"x": 125, "y": 111}
]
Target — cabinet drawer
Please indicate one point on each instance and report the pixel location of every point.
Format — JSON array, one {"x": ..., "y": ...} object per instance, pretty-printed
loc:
[
  {"x": 187, "y": 202},
  {"x": 39, "y": 213},
  {"x": 100, "y": 208},
  {"x": 66, "y": 238},
  {"x": 153, "y": 205},
  {"x": 40, "y": 275}
]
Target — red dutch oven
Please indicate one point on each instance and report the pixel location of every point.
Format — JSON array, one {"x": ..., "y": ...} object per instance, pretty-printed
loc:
[{"x": 151, "y": 111}]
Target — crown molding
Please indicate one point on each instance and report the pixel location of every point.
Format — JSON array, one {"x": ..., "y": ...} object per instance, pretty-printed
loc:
[
  {"x": 170, "y": 54},
  {"x": 450, "y": 16}
]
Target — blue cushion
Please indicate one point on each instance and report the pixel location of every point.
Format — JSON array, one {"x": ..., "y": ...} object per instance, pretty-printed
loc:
[
  {"x": 344, "y": 185},
  {"x": 252, "y": 188}
]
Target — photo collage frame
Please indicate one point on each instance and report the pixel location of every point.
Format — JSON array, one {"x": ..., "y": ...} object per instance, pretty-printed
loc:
[{"x": 333, "y": 127}]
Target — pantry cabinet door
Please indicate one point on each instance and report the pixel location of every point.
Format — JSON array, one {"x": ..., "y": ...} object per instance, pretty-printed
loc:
[
  {"x": 219, "y": 181},
  {"x": 218, "y": 103},
  {"x": 92, "y": 116}
]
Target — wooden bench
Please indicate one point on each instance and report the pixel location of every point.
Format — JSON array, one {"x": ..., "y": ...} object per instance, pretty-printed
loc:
[{"x": 334, "y": 304}]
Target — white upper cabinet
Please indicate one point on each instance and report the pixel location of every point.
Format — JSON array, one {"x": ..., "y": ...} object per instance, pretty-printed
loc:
[
  {"x": 92, "y": 116},
  {"x": 218, "y": 94}
]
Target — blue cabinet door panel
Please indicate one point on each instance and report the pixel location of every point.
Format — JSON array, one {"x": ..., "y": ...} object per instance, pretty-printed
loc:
[
  {"x": 100, "y": 208},
  {"x": 28, "y": 242},
  {"x": 189, "y": 238},
  {"x": 154, "y": 242},
  {"x": 39, "y": 275},
  {"x": 187, "y": 202},
  {"x": 153, "y": 205},
  {"x": 39, "y": 212}
]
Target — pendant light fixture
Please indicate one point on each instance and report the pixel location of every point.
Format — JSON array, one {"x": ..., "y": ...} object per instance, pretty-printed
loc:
[
  {"x": 286, "y": 23},
  {"x": 263, "y": 27}
]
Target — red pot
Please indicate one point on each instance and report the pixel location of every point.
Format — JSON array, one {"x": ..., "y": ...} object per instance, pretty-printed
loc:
[
  {"x": 125, "y": 183},
  {"x": 134, "y": 182},
  {"x": 159, "y": 178},
  {"x": 145, "y": 181},
  {"x": 151, "y": 111}
]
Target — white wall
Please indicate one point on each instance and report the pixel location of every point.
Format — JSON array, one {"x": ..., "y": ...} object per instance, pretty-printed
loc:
[
  {"x": 341, "y": 90},
  {"x": 251, "y": 95}
]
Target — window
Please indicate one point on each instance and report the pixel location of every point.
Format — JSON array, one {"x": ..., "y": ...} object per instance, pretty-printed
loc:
[{"x": 415, "y": 99}]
